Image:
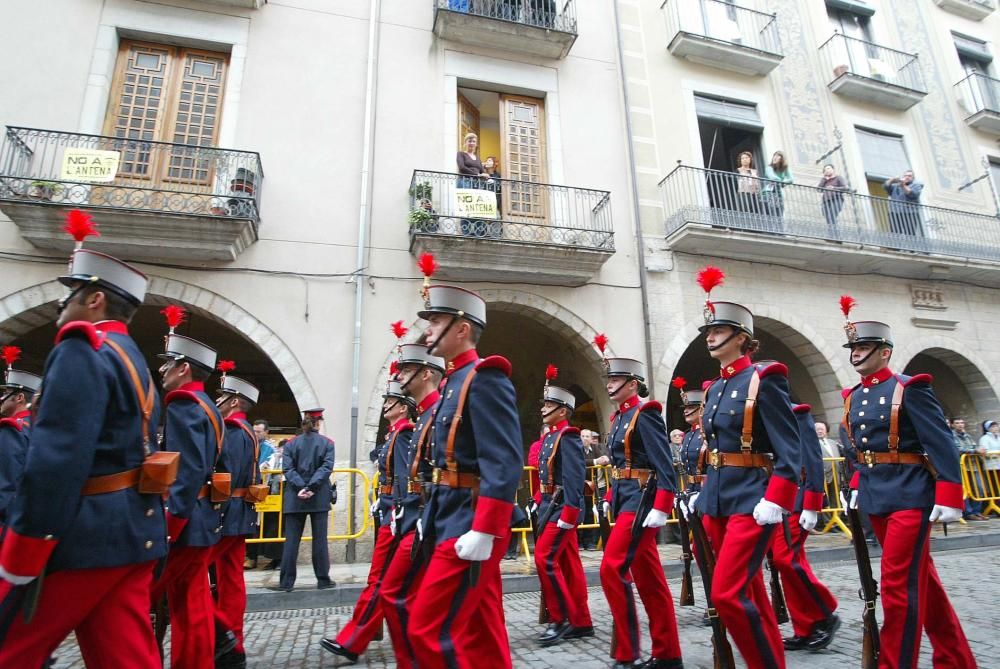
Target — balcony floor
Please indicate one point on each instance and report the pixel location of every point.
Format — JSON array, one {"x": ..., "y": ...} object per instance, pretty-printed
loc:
[
  {"x": 876, "y": 92},
  {"x": 985, "y": 120},
  {"x": 725, "y": 55},
  {"x": 512, "y": 36}
]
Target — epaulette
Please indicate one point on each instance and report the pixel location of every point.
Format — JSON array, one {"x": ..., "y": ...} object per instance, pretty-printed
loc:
[
  {"x": 846, "y": 392},
  {"x": 496, "y": 362},
  {"x": 180, "y": 395},
  {"x": 10, "y": 422},
  {"x": 708, "y": 384},
  {"x": 919, "y": 378},
  {"x": 774, "y": 368},
  {"x": 651, "y": 405},
  {"x": 571, "y": 430},
  {"x": 235, "y": 422},
  {"x": 81, "y": 328},
  {"x": 408, "y": 426},
  {"x": 801, "y": 408}
]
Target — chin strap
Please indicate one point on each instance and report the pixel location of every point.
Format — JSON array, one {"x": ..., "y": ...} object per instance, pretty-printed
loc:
[
  {"x": 69, "y": 298},
  {"x": 865, "y": 359},
  {"x": 725, "y": 341},
  {"x": 433, "y": 347},
  {"x": 546, "y": 415},
  {"x": 612, "y": 393},
  {"x": 386, "y": 410}
]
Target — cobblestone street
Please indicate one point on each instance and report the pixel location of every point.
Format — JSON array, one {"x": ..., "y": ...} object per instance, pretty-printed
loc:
[{"x": 290, "y": 639}]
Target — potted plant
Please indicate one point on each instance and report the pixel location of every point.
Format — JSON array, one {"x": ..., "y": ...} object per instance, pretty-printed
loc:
[
  {"x": 422, "y": 191},
  {"x": 44, "y": 190},
  {"x": 420, "y": 220}
]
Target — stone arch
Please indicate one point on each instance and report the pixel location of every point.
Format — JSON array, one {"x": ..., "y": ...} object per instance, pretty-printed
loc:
[{"x": 29, "y": 308}]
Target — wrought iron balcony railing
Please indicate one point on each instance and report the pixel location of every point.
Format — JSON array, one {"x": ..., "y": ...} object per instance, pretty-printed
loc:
[
  {"x": 851, "y": 57},
  {"x": 52, "y": 167},
  {"x": 979, "y": 93},
  {"x": 537, "y": 13},
  {"x": 723, "y": 22},
  {"x": 503, "y": 210},
  {"x": 725, "y": 200}
]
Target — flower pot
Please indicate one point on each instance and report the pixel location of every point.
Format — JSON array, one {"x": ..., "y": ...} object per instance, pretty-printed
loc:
[{"x": 840, "y": 70}]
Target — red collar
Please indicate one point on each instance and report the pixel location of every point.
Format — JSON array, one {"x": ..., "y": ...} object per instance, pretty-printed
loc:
[
  {"x": 21, "y": 415},
  {"x": 561, "y": 425},
  {"x": 628, "y": 404},
  {"x": 193, "y": 386},
  {"x": 696, "y": 426},
  {"x": 732, "y": 369},
  {"x": 428, "y": 401},
  {"x": 109, "y": 327},
  {"x": 400, "y": 424},
  {"x": 237, "y": 415},
  {"x": 881, "y": 376},
  {"x": 461, "y": 361}
]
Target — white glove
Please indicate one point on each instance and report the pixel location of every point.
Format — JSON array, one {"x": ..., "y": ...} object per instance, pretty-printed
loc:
[
  {"x": 808, "y": 519},
  {"x": 849, "y": 502},
  {"x": 688, "y": 509},
  {"x": 606, "y": 507},
  {"x": 474, "y": 546},
  {"x": 531, "y": 508},
  {"x": 394, "y": 517},
  {"x": 14, "y": 579},
  {"x": 563, "y": 525},
  {"x": 420, "y": 529},
  {"x": 655, "y": 518},
  {"x": 945, "y": 514},
  {"x": 767, "y": 513},
  {"x": 374, "y": 507}
]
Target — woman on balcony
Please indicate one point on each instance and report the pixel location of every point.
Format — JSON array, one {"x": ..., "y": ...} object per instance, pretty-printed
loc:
[
  {"x": 492, "y": 167},
  {"x": 469, "y": 164},
  {"x": 777, "y": 174},
  {"x": 748, "y": 185}
]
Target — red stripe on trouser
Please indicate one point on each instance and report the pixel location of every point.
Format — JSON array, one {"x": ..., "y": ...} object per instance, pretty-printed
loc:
[
  {"x": 399, "y": 589},
  {"x": 647, "y": 572},
  {"x": 457, "y": 626},
  {"x": 738, "y": 592},
  {"x": 560, "y": 572},
  {"x": 192, "y": 628},
  {"x": 910, "y": 587},
  {"x": 367, "y": 619},
  {"x": 807, "y": 599},
  {"x": 230, "y": 586},
  {"x": 107, "y": 608}
]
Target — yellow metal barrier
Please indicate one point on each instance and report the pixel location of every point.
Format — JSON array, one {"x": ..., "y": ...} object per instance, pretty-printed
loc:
[
  {"x": 833, "y": 508},
  {"x": 981, "y": 479},
  {"x": 272, "y": 505}
]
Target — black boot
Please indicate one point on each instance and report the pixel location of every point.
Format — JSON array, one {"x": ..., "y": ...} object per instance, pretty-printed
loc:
[
  {"x": 554, "y": 633},
  {"x": 234, "y": 659},
  {"x": 823, "y": 633},
  {"x": 628, "y": 664},
  {"x": 225, "y": 640},
  {"x": 795, "y": 642},
  {"x": 579, "y": 632},
  {"x": 337, "y": 649},
  {"x": 657, "y": 663}
]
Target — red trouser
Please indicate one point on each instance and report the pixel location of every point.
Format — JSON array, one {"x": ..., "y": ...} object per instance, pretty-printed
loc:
[
  {"x": 399, "y": 590},
  {"x": 564, "y": 587},
  {"x": 192, "y": 618},
  {"x": 457, "y": 625},
  {"x": 652, "y": 585},
  {"x": 108, "y": 608},
  {"x": 367, "y": 620},
  {"x": 738, "y": 592},
  {"x": 913, "y": 598},
  {"x": 230, "y": 586},
  {"x": 807, "y": 599}
]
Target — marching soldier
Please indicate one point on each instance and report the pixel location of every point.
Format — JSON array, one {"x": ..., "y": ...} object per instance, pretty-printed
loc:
[
  {"x": 562, "y": 473},
  {"x": 88, "y": 445},
  {"x": 307, "y": 463},
  {"x": 692, "y": 451},
  {"x": 15, "y": 422},
  {"x": 419, "y": 376},
  {"x": 810, "y": 604},
  {"x": 240, "y": 452},
  {"x": 642, "y": 495},
  {"x": 366, "y": 622},
  {"x": 194, "y": 428},
  {"x": 477, "y": 458},
  {"x": 906, "y": 477},
  {"x": 753, "y": 442}
]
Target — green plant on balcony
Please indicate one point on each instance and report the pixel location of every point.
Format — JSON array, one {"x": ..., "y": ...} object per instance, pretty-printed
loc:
[
  {"x": 422, "y": 191},
  {"x": 420, "y": 219},
  {"x": 44, "y": 190}
]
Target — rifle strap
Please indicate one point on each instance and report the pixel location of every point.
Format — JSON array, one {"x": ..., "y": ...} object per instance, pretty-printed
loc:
[
  {"x": 389, "y": 469},
  {"x": 552, "y": 458},
  {"x": 628, "y": 437},
  {"x": 421, "y": 438},
  {"x": 145, "y": 397},
  {"x": 256, "y": 450},
  {"x": 449, "y": 451},
  {"x": 746, "y": 436}
]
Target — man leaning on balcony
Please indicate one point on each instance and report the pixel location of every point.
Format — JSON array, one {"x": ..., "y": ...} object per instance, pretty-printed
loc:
[{"x": 904, "y": 196}]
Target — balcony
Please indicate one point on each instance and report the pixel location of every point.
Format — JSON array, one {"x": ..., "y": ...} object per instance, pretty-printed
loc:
[
  {"x": 871, "y": 73},
  {"x": 979, "y": 96},
  {"x": 721, "y": 214},
  {"x": 150, "y": 199},
  {"x": 533, "y": 27},
  {"x": 723, "y": 35},
  {"x": 977, "y": 10},
  {"x": 542, "y": 234}
]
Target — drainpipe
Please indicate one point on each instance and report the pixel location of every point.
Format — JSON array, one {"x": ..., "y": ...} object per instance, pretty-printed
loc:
[
  {"x": 364, "y": 223},
  {"x": 640, "y": 248}
]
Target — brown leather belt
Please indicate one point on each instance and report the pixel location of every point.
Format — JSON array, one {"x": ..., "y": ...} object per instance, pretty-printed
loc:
[
  {"x": 742, "y": 459},
  {"x": 98, "y": 485},
  {"x": 204, "y": 491},
  {"x": 239, "y": 492},
  {"x": 698, "y": 479},
  {"x": 415, "y": 487},
  {"x": 872, "y": 458},
  {"x": 549, "y": 489},
  {"x": 385, "y": 490},
  {"x": 641, "y": 475},
  {"x": 452, "y": 479}
]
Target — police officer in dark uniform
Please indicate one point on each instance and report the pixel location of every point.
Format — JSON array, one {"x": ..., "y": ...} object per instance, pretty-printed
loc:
[
  {"x": 78, "y": 515},
  {"x": 562, "y": 473},
  {"x": 906, "y": 477},
  {"x": 307, "y": 463},
  {"x": 15, "y": 423},
  {"x": 477, "y": 457},
  {"x": 240, "y": 452},
  {"x": 366, "y": 622},
  {"x": 419, "y": 376},
  {"x": 194, "y": 428}
]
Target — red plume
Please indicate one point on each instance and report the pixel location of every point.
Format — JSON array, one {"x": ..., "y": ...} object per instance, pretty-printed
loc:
[
  {"x": 710, "y": 277},
  {"x": 601, "y": 341},
  {"x": 679, "y": 382},
  {"x": 393, "y": 368},
  {"x": 551, "y": 372},
  {"x": 80, "y": 225},
  {"x": 399, "y": 329},
  {"x": 10, "y": 355},
  {"x": 174, "y": 315},
  {"x": 846, "y": 304},
  {"x": 226, "y": 366},
  {"x": 427, "y": 264}
]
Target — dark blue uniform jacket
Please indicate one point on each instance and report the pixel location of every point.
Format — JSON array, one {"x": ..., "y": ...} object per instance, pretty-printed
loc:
[
  {"x": 567, "y": 471},
  {"x": 397, "y": 442},
  {"x": 307, "y": 463},
  {"x": 650, "y": 450},
  {"x": 239, "y": 458},
  {"x": 690, "y": 452},
  {"x": 812, "y": 483},
  {"x": 411, "y": 502},
  {"x": 13, "y": 448}
]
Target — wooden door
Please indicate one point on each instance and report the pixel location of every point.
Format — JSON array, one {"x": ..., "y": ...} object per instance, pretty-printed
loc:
[
  {"x": 468, "y": 121},
  {"x": 522, "y": 156}
]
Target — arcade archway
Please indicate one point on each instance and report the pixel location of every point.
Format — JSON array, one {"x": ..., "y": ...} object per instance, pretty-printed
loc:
[{"x": 959, "y": 384}]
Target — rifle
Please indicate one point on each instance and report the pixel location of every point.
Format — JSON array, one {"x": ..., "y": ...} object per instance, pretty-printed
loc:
[
  {"x": 870, "y": 642},
  {"x": 721, "y": 650},
  {"x": 543, "y": 521},
  {"x": 777, "y": 594},
  {"x": 687, "y": 585}
]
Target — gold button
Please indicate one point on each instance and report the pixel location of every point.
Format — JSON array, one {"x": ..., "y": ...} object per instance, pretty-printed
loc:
[
  {"x": 149, "y": 513},
  {"x": 149, "y": 544}
]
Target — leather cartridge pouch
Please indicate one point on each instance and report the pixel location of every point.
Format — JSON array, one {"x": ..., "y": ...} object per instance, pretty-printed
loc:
[
  {"x": 257, "y": 493},
  {"x": 222, "y": 487}
]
